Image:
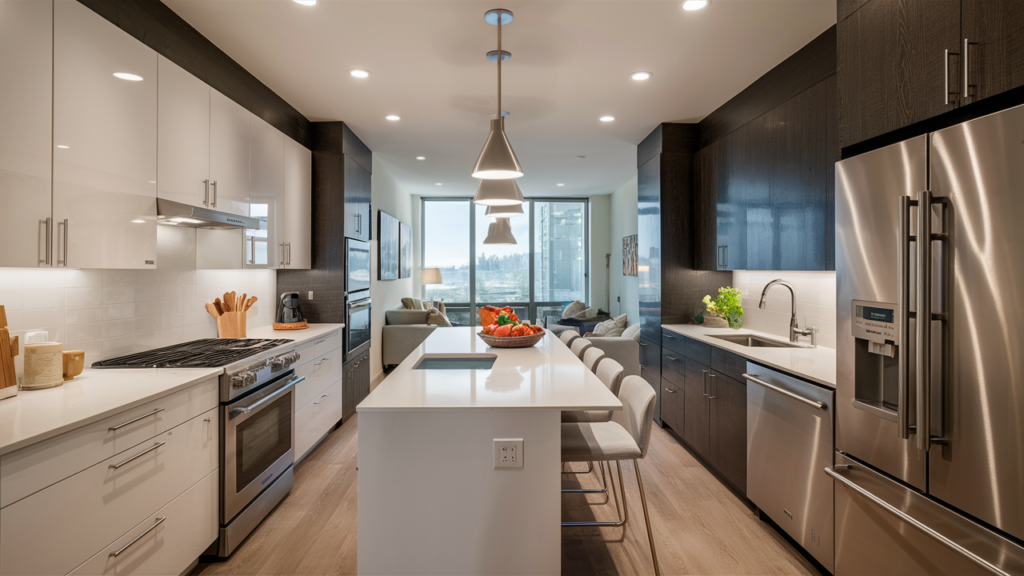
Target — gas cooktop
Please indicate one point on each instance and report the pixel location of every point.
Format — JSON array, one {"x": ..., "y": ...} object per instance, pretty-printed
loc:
[{"x": 208, "y": 353}]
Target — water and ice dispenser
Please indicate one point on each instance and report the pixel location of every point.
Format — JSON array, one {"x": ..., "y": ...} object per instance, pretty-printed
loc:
[{"x": 876, "y": 367}]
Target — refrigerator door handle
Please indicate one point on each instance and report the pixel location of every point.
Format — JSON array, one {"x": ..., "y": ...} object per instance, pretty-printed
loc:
[
  {"x": 923, "y": 360},
  {"x": 981, "y": 562},
  {"x": 903, "y": 427}
]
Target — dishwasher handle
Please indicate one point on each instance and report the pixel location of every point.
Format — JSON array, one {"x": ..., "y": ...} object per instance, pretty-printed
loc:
[{"x": 784, "y": 392}]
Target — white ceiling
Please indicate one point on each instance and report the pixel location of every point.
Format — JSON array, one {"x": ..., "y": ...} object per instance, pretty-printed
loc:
[{"x": 570, "y": 64}]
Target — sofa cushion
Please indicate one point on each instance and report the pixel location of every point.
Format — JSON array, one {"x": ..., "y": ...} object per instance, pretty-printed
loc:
[
  {"x": 436, "y": 318},
  {"x": 412, "y": 303},
  {"x": 574, "y": 308},
  {"x": 405, "y": 317},
  {"x": 632, "y": 332},
  {"x": 612, "y": 327}
]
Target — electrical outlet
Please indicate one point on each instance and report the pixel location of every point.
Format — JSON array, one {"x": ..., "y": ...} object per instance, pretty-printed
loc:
[
  {"x": 310, "y": 295},
  {"x": 508, "y": 453}
]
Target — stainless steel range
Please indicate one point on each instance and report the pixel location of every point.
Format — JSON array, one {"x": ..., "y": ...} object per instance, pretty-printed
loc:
[{"x": 257, "y": 398}]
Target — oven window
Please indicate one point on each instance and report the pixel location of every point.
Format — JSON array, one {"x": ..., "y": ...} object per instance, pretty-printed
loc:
[
  {"x": 358, "y": 327},
  {"x": 358, "y": 266},
  {"x": 262, "y": 439}
]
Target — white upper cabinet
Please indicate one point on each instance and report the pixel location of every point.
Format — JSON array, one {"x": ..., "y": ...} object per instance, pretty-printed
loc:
[
  {"x": 26, "y": 66},
  {"x": 266, "y": 199},
  {"x": 183, "y": 164},
  {"x": 229, "y": 155},
  {"x": 104, "y": 132},
  {"x": 295, "y": 231}
]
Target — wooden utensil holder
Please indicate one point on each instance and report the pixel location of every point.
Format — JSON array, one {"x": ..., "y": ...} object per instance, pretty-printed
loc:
[{"x": 231, "y": 325}]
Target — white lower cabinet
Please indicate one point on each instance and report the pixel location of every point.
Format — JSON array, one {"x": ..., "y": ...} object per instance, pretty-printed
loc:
[
  {"x": 316, "y": 419},
  {"x": 55, "y": 530},
  {"x": 167, "y": 542},
  {"x": 320, "y": 373}
]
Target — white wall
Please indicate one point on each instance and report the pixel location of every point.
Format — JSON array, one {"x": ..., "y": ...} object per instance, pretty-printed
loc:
[
  {"x": 815, "y": 302},
  {"x": 110, "y": 313},
  {"x": 600, "y": 245},
  {"x": 389, "y": 196},
  {"x": 623, "y": 222}
]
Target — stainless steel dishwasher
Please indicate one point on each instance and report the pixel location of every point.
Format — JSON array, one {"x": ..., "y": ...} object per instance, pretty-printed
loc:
[{"x": 789, "y": 445}]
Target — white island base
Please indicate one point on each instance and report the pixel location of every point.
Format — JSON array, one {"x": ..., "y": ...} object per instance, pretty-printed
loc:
[{"x": 430, "y": 498}]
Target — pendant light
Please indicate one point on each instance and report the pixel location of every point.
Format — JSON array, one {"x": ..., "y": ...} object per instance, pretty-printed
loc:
[
  {"x": 510, "y": 211},
  {"x": 497, "y": 161},
  {"x": 498, "y": 193},
  {"x": 500, "y": 232}
]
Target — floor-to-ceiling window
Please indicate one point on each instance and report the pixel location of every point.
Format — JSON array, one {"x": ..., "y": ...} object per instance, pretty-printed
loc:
[{"x": 541, "y": 273}]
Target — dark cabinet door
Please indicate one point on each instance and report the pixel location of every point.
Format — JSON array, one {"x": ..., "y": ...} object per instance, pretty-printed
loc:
[
  {"x": 650, "y": 371},
  {"x": 995, "y": 57},
  {"x": 363, "y": 378},
  {"x": 357, "y": 201},
  {"x": 649, "y": 248},
  {"x": 348, "y": 392},
  {"x": 892, "y": 68},
  {"x": 672, "y": 413},
  {"x": 706, "y": 249},
  {"x": 695, "y": 407},
  {"x": 744, "y": 213},
  {"x": 728, "y": 428}
]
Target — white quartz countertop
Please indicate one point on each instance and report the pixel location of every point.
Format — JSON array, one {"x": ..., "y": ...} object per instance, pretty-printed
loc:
[
  {"x": 35, "y": 415},
  {"x": 299, "y": 336},
  {"x": 545, "y": 376},
  {"x": 814, "y": 364}
]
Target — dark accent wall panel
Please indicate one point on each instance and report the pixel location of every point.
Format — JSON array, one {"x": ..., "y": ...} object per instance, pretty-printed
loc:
[
  {"x": 354, "y": 148},
  {"x": 810, "y": 65},
  {"x": 844, "y": 8},
  {"x": 327, "y": 277},
  {"x": 157, "y": 26}
]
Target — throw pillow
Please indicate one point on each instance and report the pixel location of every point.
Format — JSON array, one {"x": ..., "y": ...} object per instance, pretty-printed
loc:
[
  {"x": 586, "y": 314},
  {"x": 632, "y": 332},
  {"x": 614, "y": 333},
  {"x": 412, "y": 303},
  {"x": 440, "y": 308},
  {"x": 574, "y": 308},
  {"x": 436, "y": 318},
  {"x": 615, "y": 324}
]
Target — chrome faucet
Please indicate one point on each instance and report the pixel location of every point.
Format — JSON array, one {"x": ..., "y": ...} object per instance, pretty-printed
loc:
[{"x": 794, "y": 330}]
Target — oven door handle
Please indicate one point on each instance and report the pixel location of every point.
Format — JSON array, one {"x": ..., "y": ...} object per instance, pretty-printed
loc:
[
  {"x": 365, "y": 302},
  {"x": 269, "y": 398}
]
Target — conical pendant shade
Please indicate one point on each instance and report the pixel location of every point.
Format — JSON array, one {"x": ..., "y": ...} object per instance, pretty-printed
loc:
[
  {"x": 498, "y": 193},
  {"x": 497, "y": 161},
  {"x": 510, "y": 211},
  {"x": 500, "y": 232}
]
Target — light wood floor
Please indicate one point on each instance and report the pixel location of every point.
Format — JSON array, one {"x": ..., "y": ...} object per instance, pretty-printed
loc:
[{"x": 700, "y": 527}]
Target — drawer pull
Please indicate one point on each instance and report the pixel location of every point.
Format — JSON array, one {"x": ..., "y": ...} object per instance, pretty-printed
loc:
[
  {"x": 321, "y": 362},
  {"x": 670, "y": 390},
  {"x": 319, "y": 342},
  {"x": 139, "y": 455},
  {"x": 321, "y": 399},
  {"x": 133, "y": 421},
  {"x": 159, "y": 521},
  {"x": 672, "y": 358}
]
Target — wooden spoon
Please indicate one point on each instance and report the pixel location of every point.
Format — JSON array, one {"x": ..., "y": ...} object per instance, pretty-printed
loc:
[
  {"x": 227, "y": 301},
  {"x": 251, "y": 302},
  {"x": 219, "y": 306},
  {"x": 212, "y": 309}
]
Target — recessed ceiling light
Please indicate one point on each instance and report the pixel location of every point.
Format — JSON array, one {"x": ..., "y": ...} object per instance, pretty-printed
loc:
[
  {"x": 691, "y": 5},
  {"x": 393, "y": 117},
  {"x": 559, "y": 184},
  {"x": 62, "y": 146},
  {"x": 421, "y": 157},
  {"x": 641, "y": 75},
  {"x": 306, "y": 2},
  {"x": 607, "y": 118},
  {"x": 128, "y": 76},
  {"x": 437, "y": 184},
  {"x": 138, "y": 221},
  {"x": 359, "y": 73},
  {"x": 581, "y": 157}
]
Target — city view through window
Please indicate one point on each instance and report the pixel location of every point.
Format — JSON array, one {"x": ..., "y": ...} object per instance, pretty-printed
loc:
[{"x": 453, "y": 236}]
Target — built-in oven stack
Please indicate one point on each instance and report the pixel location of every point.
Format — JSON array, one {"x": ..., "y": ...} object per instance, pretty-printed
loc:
[{"x": 357, "y": 298}]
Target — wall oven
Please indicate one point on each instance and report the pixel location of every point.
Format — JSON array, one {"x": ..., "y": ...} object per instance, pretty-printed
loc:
[
  {"x": 257, "y": 456},
  {"x": 357, "y": 324},
  {"x": 357, "y": 265}
]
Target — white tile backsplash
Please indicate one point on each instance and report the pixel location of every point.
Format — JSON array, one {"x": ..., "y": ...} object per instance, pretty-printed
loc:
[
  {"x": 110, "y": 313},
  {"x": 815, "y": 302}
]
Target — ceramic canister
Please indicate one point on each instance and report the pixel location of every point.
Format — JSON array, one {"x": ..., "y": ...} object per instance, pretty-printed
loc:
[{"x": 44, "y": 365}]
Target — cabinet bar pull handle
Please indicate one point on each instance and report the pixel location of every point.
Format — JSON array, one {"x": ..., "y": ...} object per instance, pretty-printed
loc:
[
  {"x": 712, "y": 395},
  {"x": 948, "y": 92},
  {"x": 63, "y": 262},
  {"x": 47, "y": 241},
  {"x": 967, "y": 87},
  {"x": 139, "y": 455},
  {"x": 252, "y": 249},
  {"x": 133, "y": 421},
  {"x": 705, "y": 384},
  {"x": 673, "y": 358},
  {"x": 214, "y": 184},
  {"x": 288, "y": 251},
  {"x": 206, "y": 196},
  {"x": 670, "y": 390},
  {"x": 784, "y": 392},
  {"x": 159, "y": 521},
  {"x": 321, "y": 399},
  {"x": 916, "y": 523}
]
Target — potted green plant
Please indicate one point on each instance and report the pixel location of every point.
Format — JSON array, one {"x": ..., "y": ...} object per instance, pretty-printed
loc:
[{"x": 726, "y": 310}]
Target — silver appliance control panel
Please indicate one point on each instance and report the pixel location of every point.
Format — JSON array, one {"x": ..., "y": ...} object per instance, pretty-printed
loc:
[{"x": 875, "y": 321}]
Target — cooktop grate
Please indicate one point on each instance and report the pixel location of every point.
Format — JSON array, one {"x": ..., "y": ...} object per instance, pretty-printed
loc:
[{"x": 208, "y": 353}]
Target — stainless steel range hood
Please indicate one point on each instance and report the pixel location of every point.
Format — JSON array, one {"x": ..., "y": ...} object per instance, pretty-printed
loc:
[{"x": 173, "y": 213}]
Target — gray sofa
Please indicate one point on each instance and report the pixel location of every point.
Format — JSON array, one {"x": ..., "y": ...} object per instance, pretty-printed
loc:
[
  {"x": 625, "y": 351},
  {"x": 403, "y": 331}
]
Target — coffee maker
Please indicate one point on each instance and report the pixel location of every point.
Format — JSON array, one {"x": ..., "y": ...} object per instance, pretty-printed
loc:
[{"x": 289, "y": 314}]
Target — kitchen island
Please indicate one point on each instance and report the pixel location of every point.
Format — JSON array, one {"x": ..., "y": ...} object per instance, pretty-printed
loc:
[{"x": 431, "y": 499}]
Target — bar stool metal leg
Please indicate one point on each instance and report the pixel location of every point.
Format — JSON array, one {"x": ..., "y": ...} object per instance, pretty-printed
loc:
[
  {"x": 603, "y": 489},
  {"x": 647, "y": 516},
  {"x": 620, "y": 495}
]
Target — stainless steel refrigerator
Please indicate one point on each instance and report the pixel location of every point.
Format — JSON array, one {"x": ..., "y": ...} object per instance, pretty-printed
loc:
[{"x": 929, "y": 465}]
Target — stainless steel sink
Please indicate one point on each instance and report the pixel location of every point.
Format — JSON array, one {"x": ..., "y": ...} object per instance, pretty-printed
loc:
[{"x": 756, "y": 341}]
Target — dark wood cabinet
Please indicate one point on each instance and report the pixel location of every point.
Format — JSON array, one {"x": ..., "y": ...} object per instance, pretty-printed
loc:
[
  {"x": 727, "y": 402},
  {"x": 650, "y": 371},
  {"x": 696, "y": 430},
  {"x": 358, "y": 219},
  {"x": 995, "y": 57},
  {"x": 648, "y": 244},
  {"x": 355, "y": 383},
  {"x": 672, "y": 407},
  {"x": 892, "y": 66}
]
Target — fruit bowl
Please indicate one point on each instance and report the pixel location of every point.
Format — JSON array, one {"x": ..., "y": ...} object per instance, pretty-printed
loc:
[{"x": 511, "y": 341}]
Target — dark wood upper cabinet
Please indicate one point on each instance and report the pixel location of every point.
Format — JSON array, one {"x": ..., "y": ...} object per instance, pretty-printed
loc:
[
  {"x": 358, "y": 220},
  {"x": 995, "y": 58}
]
